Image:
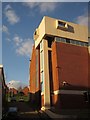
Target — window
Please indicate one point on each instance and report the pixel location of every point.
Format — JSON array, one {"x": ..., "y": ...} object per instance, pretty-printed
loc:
[
  {"x": 42, "y": 81},
  {"x": 85, "y": 44},
  {"x": 71, "y": 41},
  {"x": 74, "y": 42},
  {"x": 82, "y": 44},
  {"x": 60, "y": 39},
  {"x": 77, "y": 42},
  {"x": 67, "y": 40},
  {"x": 89, "y": 44},
  {"x": 63, "y": 39},
  {"x": 41, "y": 59},
  {"x": 42, "y": 87},
  {"x": 62, "y": 24},
  {"x": 57, "y": 39}
]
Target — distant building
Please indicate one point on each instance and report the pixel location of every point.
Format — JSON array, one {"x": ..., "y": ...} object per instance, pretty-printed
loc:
[
  {"x": 60, "y": 65},
  {"x": 13, "y": 91},
  {"x": 25, "y": 90}
]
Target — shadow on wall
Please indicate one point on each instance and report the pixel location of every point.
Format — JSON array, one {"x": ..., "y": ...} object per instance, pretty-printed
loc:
[
  {"x": 70, "y": 29},
  {"x": 89, "y": 76},
  {"x": 72, "y": 101},
  {"x": 35, "y": 99}
]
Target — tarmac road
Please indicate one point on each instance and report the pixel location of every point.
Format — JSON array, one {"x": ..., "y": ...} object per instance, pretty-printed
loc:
[{"x": 27, "y": 112}]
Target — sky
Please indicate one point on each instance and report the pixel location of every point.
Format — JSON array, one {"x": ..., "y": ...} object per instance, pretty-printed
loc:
[{"x": 19, "y": 21}]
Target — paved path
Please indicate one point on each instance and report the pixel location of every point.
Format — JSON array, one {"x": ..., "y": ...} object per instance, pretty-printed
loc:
[{"x": 27, "y": 112}]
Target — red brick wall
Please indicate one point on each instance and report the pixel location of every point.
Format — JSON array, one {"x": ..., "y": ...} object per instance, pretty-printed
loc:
[
  {"x": 25, "y": 91},
  {"x": 70, "y": 64},
  {"x": 35, "y": 93},
  {"x": 33, "y": 87},
  {"x": 38, "y": 88},
  {"x": 32, "y": 71},
  {"x": 54, "y": 69}
]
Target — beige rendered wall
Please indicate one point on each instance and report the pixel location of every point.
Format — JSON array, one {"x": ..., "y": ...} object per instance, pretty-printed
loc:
[
  {"x": 40, "y": 32},
  {"x": 79, "y": 32},
  {"x": 48, "y": 27}
]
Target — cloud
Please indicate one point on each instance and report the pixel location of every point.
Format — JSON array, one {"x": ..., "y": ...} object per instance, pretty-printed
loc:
[
  {"x": 15, "y": 84},
  {"x": 25, "y": 48},
  {"x": 5, "y": 29},
  {"x": 31, "y": 4},
  {"x": 8, "y": 7},
  {"x": 83, "y": 19},
  {"x": 43, "y": 6},
  {"x": 23, "y": 45},
  {"x": 10, "y": 14},
  {"x": 8, "y": 39},
  {"x": 17, "y": 40}
]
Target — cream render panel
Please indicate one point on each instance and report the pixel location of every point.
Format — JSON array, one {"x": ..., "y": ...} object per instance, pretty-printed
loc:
[
  {"x": 78, "y": 32},
  {"x": 41, "y": 31},
  {"x": 48, "y": 26}
]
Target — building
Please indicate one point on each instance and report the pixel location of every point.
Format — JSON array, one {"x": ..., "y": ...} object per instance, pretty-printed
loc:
[
  {"x": 25, "y": 90},
  {"x": 12, "y": 91},
  {"x": 3, "y": 91},
  {"x": 59, "y": 66}
]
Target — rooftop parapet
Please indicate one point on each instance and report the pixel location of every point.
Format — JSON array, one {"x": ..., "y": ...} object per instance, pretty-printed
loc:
[{"x": 59, "y": 28}]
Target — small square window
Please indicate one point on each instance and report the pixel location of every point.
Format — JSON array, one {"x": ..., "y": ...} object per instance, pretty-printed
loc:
[
  {"x": 86, "y": 44},
  {"x": 73, "y": 41},
  {"x": 89, "y": 44},
  {"x": 67, "y": 40},
  {"x": 63, "y": 39},
  {"x": 82, "y": 43},
  {"x": 77, "y": 42}
]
